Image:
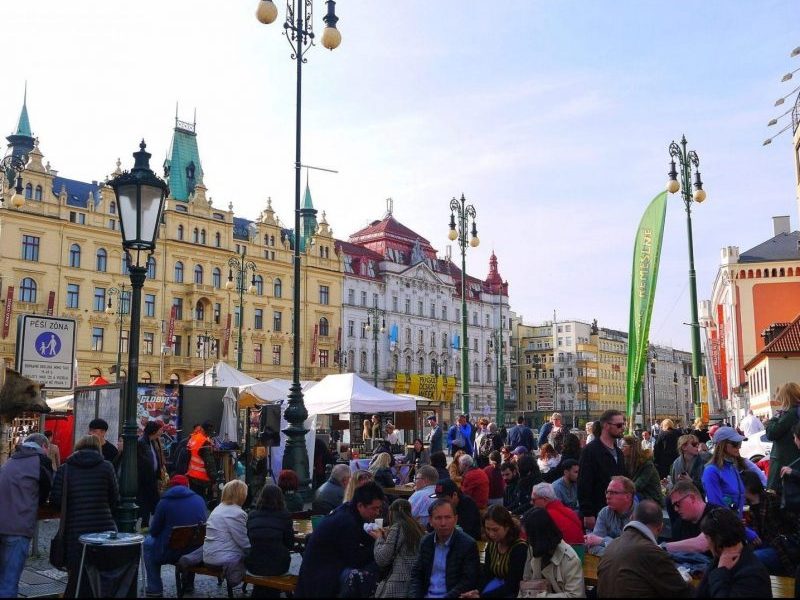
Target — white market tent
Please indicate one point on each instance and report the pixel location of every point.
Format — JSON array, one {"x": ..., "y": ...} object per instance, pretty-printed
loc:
[
  {"x": 272, "y": 390},
  {"x": 226, "y": 376},
  {"x": 348, "y": 393},
  {"x": 61, "y": 403}
]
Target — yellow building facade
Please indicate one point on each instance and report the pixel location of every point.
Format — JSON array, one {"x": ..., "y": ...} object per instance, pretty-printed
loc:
[{"x": 62, "y": 254}]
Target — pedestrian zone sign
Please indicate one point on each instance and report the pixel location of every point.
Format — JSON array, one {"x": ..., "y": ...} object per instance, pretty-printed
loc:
[{"x": 46, "y": 350}]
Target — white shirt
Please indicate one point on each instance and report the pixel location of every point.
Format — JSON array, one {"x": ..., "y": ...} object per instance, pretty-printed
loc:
[
  {"x": 648, "y": 444},
  {"x": 393, "y": 438}
]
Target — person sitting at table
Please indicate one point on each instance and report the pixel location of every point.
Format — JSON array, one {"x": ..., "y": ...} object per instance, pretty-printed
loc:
[
  {"x": 391, "y": 434},
  {"x": 508, "y": 470},
  {"x": 178, "y": 506},
  {"x": 690, "y": 508},
  {"x": 355, "y": 481},
  {"x": 381, "y": 472},
  {"x": 424, "y": 487},
  {"x": 226, "y": 542},
  {"x": 469, "y": 517},
  {"x": 552, "y": 569},
  {"x": 506, "y": 555},
  {"x": 544, "y": 496},
  {"x": 735, "y": 572},
  {"x": 271, "y": 535},
  {"x": 340, "y": 545},
  {"x": 439, "y": 462},
  {"x": 452, "y": 468},
  {"x": 566, "y": 486},
  {"x": 620, "y": 503},
  {"x": 417, "y": 455},
  {"x": 496, "y": 484},
  {"x": 633, "y": 566},
  {"x": 331, "y": 493},
  {"x": 474, "y": 482},
  {"x": 529, "y": 476},
  {"x": 288, "y": 482},
  {"x": 396, "y": 549},
  {"x": 548, "y": 458}
]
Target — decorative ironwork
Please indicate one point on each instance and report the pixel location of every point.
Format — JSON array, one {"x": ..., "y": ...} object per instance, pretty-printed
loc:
[
  {"x": 796, "y": 114},
  {"x": 13, "y": 165}
]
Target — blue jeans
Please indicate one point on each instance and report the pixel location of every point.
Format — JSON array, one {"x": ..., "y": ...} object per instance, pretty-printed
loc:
[
  {"x": 13, "y": 553},
  {"x": 152, "y": 566},
  {"x": 769, "y": 558}
]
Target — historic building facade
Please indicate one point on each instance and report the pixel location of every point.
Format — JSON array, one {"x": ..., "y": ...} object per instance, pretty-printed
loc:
[{"x": 62, "y": 255}]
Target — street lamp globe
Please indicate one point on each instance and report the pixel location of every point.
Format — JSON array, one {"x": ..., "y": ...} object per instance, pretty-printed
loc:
[
  {"x": 453, "y": 235},
  {"x": 266, "y": 12},
  {"x": 474, "y": 241},
  {"x": 699, "y": 195},
  {"x": 673, "y": 186},
  {"x": 251, "y": 289},
  {"x": 331, "y": 37},
  {"x": 229, "y": 284}
]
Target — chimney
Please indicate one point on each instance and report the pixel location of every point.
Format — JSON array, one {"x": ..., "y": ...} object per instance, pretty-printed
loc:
[
  {"x": 773, "y": 331},
  {"x": 781, "y": 225}
]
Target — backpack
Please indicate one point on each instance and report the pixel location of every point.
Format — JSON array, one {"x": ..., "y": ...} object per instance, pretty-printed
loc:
[{"x": 181, "y": 463}]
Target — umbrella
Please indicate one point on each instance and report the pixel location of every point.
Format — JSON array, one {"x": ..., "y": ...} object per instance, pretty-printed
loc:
[{"x": 228, "y": 429}]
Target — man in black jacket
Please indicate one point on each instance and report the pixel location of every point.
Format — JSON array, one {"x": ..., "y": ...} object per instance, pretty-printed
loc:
[
  {"x": 601, "y": 459},
  {"x": 447, "y": 564}
]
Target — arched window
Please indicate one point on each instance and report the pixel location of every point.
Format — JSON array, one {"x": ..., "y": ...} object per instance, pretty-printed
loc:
[
  {"x": 750, "y": 273},
  {"x": 195, "y": 235},
  {"x": 790, "y": 272},
  {"x": 28, "y": 192},
  {"x": 216, "y": 278},
  {"x": 217, "y": 239},
  {"x": 27, "y": 290},
  {"x": 444, "y": 340},
  {"x": 200, "y": 311},
  {"x": 75, "y": 256},
  {"x": 434, "y": 366},
  {"x": 179, "y": 272},
  {"x": 125, "y": 264},
  {"x": 146, "y": 377},
  {"x": 151, "y": 268},
  {"x": 174, "y": 379},
  {"x": 363, "y": 363},
  {"x": 323, "y": 327},
  {"x": 198, "y": 274},
  {"x": 277, "y": 288},
  {"x": 102, "y": 260},
  {"x": 395, "y": 362},
  {"x": 476, "y": 375},
  {"x": 112, "y": 208},
  {"x": 266, "y": 240},
  {"x": 444, "y": 368},
  {"x": 420, "y": 365},
  {"x": 258, "y": 280},
  {"x": 37, "y": 195},
  {"x": 180, "y": 232},
  {"x": 202, "y": 236},
  {"x": 408, "y": 364}
]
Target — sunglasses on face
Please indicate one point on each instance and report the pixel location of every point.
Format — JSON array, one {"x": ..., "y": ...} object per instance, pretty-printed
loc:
[
  {"x": 617, "y": 425},
  {"x": 735, "y": 444}
]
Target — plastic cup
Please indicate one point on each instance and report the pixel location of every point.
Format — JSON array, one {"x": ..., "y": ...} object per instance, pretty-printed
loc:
[{"x": 379, "y": 523}]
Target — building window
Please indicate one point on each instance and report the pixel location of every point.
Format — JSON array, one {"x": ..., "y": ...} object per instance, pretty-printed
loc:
[
  {"x": 203, "y": 236},
  {"x": 178, "y": 304},
  {"x": 75, "y": 256},
  {"x": 123, "y": 340},
  {"x": 394, "y": 303},
  {"x": 475, "y": 344},
  {"x": 149, "y": 305},
  {"x": 147, "y": 343},
  {"x": 433, "y": 310},
  {"x": 258, "y": 318},
  {"x": 237, "y": 315},
  {"x": 444, "y": 340},
  {"x": 28, "y": 191},
  {"x": 408, "y": 306},
  {"x": 97, "y": 339},
  {"x": 195, "y": 235},
  {"x": 37, "y": 195},
  {"x": 408, "y": 335},
  {"x": 476, "y": 376},
  {"x": 151, "y": 268},
  {"x": 363, "y": 330},
  {"x": 125, "y": 264},
  {"x": 351, "y": 329},
  {"x": 146, "y": 377},
  {"x": 259, "y": 283},
  {"x": 277, "y": 288},
  {"x": 180, "y": 232},
  {"x": 73, "y": 295},
  {"x": 102, "y": 260},
  {"x": 421, "y": 365},
  {"x": 419, "y": 308},
  {"x": 30, "y": 248},
  {"x": 363, "y": 363},
  {"x": 257, "y": 351},
  {"x": 323, "y": 327},
  {"x": 200, "y": 311},
  {"x": 217, "y": 312},
  {"x": 112, "y": 208},
  {"x": 277, "y": 321},
  {"x": 27, "y": 291},
  {"x": 324, "y": 295},
  {"x": 475, "y": 319},
  {"x": 276, "y": 354},
  {"x": 323, "y": 358},
  {"x": 99, "y": 303},
  {"x": 488, "y": 373},
  {"x": 218, "y": 239},
  {"x": 198, "y": 274},
  {"x": 216, "y": 278},
  {"x": 179, "y": 272},
  {"x": 363, "y": 298}
]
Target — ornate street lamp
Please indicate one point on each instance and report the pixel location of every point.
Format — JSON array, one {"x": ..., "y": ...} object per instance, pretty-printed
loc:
[
  {"x": 12, "y": 166},
  {"x": 205, "y": 348},
  {"x": 140, "y": 198},
  {"x": 677, "y": 410},
  {"x": 653, "y": 416},
  {"x": 497, "y": 344},
  {"x": 686, "y": 160},
  {"x": 298, "y": 29},
  {"x": 460, "y": 214},
  {"x": 122, "y": 309},
  {"x": 373, "y": 314},
  {"x": 240, "y": 266}
]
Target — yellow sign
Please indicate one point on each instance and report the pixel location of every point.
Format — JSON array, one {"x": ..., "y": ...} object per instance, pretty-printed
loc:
[
  {"x": 703, "y": 380},
  {"x": 437, "y": 389}
]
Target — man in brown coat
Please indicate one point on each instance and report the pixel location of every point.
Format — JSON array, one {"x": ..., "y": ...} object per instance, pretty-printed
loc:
[{"x": 633, "y": 566}]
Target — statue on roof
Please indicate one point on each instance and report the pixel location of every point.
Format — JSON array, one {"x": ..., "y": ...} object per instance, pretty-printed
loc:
[{"x": 417, "y": 255}]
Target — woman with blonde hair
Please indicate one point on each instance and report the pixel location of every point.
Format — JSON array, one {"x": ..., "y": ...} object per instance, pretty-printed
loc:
[
  {"x": 779, "y": 432},
  {"x": 641, "y": 470},
  {"x": 227, "y": 543},
  {"x": 666, "y": 449},
  {"x": 366, "y": 433},
  {"x": 396, "y": 549},
  {"x": 381, "y": 472},
  {"x": 691, "y": 462},
  {"x": 357, "y": 479}
]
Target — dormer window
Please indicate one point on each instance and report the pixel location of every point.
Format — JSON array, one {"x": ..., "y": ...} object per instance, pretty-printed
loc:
[{"x": 190, "y": 170}]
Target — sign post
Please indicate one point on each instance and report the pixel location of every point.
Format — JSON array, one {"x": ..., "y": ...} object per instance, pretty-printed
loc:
[{"x": 46, "y": 350}]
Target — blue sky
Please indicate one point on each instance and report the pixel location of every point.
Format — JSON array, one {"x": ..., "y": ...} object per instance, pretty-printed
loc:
[{"x": 553, "y": 118}]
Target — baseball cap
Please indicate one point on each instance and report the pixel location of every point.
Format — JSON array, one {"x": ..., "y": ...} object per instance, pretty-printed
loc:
[
  {"x": 98, "y": 424},
  {"x": 519, "y": 450},
  {"x": 727, "y": 434},
  {"x": 431, "y": 417},
  {"x": 178, "y": 480},
  {"x": 445, "y": 488}
]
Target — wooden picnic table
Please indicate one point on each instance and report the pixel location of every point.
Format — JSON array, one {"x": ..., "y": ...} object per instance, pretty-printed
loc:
[{"x": 401, "y": 491}]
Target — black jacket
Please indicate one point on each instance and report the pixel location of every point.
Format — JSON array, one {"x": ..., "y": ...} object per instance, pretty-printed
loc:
[
  {"x": 666, "y": 450},
  {"x": 469, "y": 517},
  {"x": 461, "y": 571},
  {"x": 271, "y": 538},
  {"x": 748, "y": 578},
  {"x": 597, "y": 466},
  {"x": 92, "y": 495},
  {"x": 147, "y": 473},
  {"x": 521, "y": 501},
  {"x": 329, "y": 495},
  {"x": 383, "y": 477}
]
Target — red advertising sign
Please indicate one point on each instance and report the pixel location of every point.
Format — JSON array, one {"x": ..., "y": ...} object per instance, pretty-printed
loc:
[
  {"x": 314, "y": 345},
  {"x": 9, "y": 306},
  {"x": 171, "y": 327},
  {"x": 227, "y": 336},
  {"x": 51, "y": 300}
]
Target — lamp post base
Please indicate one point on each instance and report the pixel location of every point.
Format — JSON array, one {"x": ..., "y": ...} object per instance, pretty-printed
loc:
[{"x": 295, "y": 454}]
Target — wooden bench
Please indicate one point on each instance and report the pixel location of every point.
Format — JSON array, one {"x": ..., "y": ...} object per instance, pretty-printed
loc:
[{"x": 282, "y": 583}]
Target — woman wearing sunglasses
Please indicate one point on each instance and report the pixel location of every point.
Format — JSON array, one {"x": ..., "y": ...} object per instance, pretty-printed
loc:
[
  {"x": 689, "y": 464},
  {"x": 721, "y": 479}
]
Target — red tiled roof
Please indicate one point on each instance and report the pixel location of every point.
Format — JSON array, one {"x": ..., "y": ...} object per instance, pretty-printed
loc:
[
  {"x": 787, "y": 340},
  {"x": 389, "y": 225},
  {"x": 354, "y": 250}
]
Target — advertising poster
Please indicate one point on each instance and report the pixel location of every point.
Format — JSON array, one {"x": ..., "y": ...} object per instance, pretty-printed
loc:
[{"x": 159, "y": 403}]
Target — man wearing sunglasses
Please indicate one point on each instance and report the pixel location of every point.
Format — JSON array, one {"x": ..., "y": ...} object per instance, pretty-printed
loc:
[
  {"x": 601, "y": 459},
  {"x": 689, "y": 507}
]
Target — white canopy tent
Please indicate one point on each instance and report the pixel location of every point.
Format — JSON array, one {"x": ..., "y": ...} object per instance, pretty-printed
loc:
[
  {"x": 61, "y": 403},
  {"x": 348, "y": 393},
  {"x": 225, "y": 376},
  {"x": 272, "y": 390}
]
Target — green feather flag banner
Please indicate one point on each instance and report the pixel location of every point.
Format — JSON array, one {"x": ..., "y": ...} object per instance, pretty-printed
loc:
[{"x": 646, "y": 255}]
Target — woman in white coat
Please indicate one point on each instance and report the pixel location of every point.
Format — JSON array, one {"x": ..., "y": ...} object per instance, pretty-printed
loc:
[{"x": 226, "y": 543}]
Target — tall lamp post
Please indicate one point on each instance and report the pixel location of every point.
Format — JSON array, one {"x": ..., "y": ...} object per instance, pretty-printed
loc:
[
  {"x": 652, "y": 390},
  {"x": 460, "y": 214},
  {"x": 298, "y": 29},
  {"x": 205, "y": 348},
  {"x": 140, "y": 198},
  {"x": 687, "y": 160},
  {"x": 373, "y": 314},
  {"x": 677, "y": 410},
  {"x": 121, "y": 311},
  {"x": 497, "y": 344},
  {"x": 240, "y": 266}
]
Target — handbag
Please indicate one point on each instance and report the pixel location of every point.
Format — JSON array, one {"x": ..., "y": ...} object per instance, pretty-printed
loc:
[
  {"x": 790, "y": 492},
  {"x": 58, "y": 546}
]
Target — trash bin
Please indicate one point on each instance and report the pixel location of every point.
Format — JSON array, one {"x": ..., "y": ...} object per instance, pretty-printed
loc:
[{"x": 110, "y": 563}]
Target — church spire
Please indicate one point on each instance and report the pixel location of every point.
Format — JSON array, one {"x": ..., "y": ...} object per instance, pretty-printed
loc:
[
  {"x": 308, "y": 218},
  {"x": 22, "y": 141}
]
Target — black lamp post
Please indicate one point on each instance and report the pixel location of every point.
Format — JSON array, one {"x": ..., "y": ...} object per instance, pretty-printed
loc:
[
  {"x": 298, "y": 29},
  {"x": 12, "y": 166},
  {"x": 140, "y": 198},
  {"x": 122, "y": 309},
  {"x": 205, "y": 349},
  {"x": 460, "y": 214},
  {"x": 373, "y": 314},
  {"x": 677, "y": 410},
  {"x": 686, "y": 160},
  {"x": 241, "y": 267},
  {"x": 653, "y": 416}
]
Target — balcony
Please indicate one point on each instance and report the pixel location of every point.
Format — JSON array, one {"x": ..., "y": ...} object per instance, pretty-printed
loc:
[{"x": 29, "y": 307}]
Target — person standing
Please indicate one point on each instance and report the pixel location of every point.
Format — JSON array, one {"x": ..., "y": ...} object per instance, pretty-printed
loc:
[
  {"x": 396, "y": 549},
  {"x": 779, "y": 432},
  {"x": 459, "y": 436},
  {"x": 647, "y": 440},
  {"x": 666, "y": 448},
  {"x": 366, "y": 433},
  {"x": 521, "y": 435},
  {"x": 25, "y": 481},
  {"x": 53, "y": 452},
  {"x": 641, "y": 470},
  {"x": 447, "y": 565},
  {"x": 92, "y": 495},
  {"x": 99, "y": 429},
  {"x": 435, "y": 435},
  {"x": 202, "y": 471},
  {"x": 376, "y": 427},
  {"x": 544, "y": 434},
  {"x": 601, "y": 459},
  {"x": 558, "y": 433},
  {"x": 149, "y": 464},
  {"x": 496, "y": 484}
]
